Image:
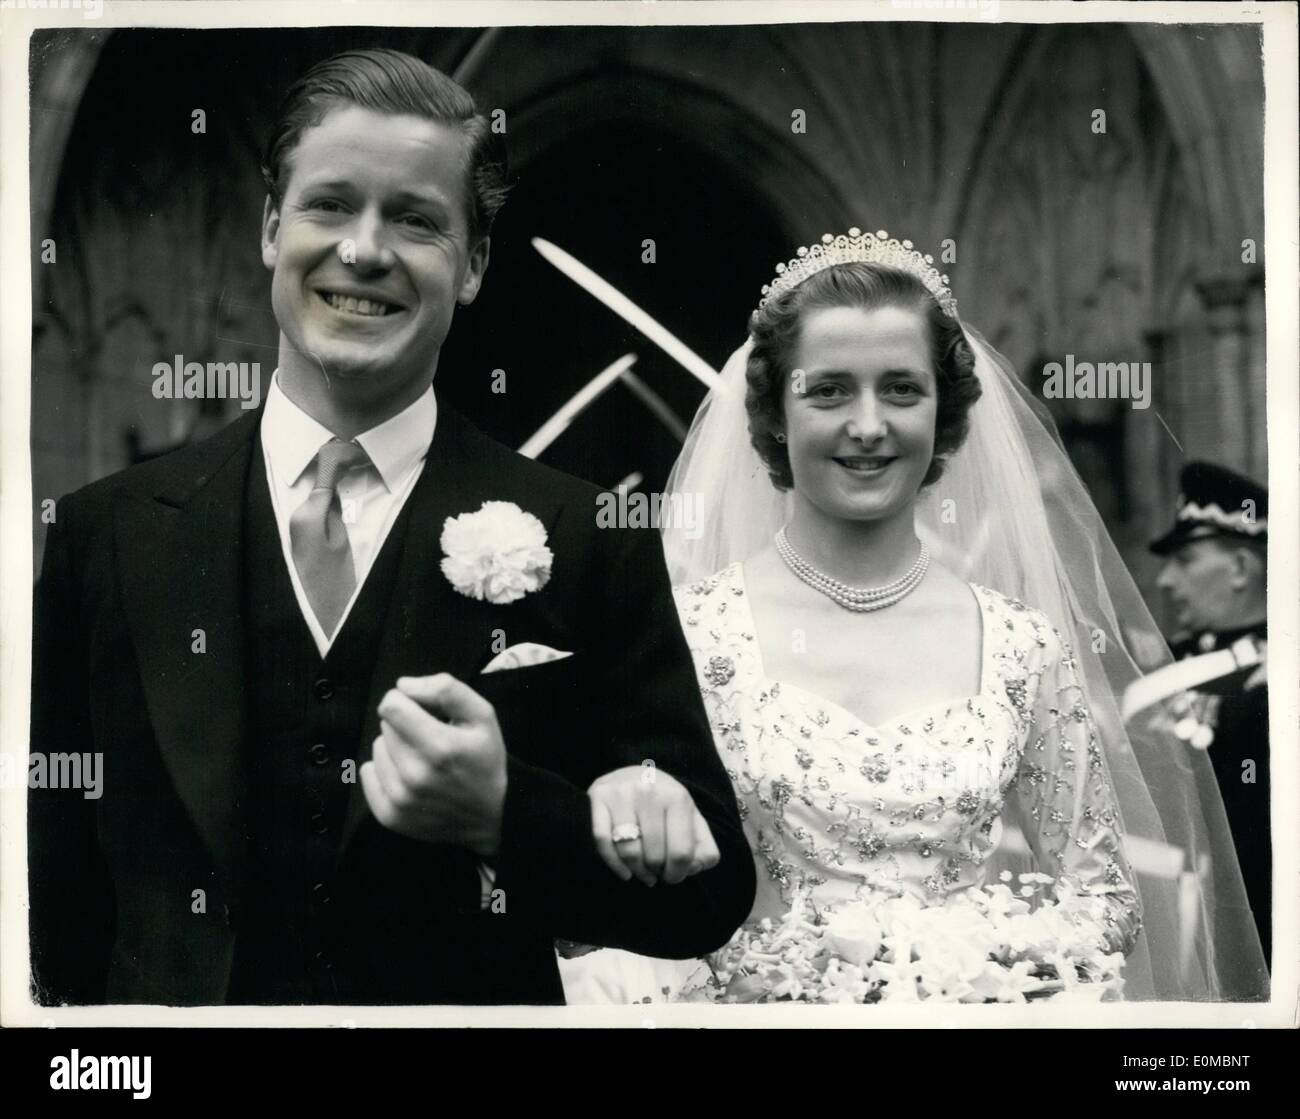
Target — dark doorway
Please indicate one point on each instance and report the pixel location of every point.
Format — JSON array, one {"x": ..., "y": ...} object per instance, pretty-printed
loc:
[{"x": 599, "y": 194}]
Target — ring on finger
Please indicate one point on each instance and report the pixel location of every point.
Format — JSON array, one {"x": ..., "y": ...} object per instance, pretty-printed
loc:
[{"x": 626, "y": 833}]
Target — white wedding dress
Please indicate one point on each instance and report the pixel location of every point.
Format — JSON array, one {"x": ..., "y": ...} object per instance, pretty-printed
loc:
[{"x": 850, "y": 813}]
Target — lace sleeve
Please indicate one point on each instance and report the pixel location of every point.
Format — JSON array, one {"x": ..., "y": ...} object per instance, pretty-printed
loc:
[{"x": 1067, "y": 807}]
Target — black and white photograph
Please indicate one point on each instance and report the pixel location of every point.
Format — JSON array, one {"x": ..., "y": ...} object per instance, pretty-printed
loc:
[{"x": 790, "y": 544}]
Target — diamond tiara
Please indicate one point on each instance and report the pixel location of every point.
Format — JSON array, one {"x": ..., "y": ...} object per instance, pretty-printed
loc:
[{"x": 857, "y": 247}]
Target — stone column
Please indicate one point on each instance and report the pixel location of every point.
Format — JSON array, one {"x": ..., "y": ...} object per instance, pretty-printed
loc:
[
  {"x": 1256, "y": 379},
  {"x": 1237, "y": 415}
]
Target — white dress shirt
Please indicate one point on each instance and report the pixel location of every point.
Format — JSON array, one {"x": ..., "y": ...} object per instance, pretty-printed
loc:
[{"x": 371, "y": 498}]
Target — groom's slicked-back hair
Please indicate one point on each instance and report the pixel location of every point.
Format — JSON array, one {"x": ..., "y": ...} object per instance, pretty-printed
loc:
[{"x": 388, "y": 81}]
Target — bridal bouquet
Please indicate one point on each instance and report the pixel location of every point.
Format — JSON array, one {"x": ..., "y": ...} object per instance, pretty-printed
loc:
[{"x": 983, "y": 944}]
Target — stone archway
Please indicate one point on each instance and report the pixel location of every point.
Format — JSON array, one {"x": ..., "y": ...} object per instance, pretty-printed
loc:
[
  {"x": 605, "y": 169},
  {"x": 786, "y": 178}
]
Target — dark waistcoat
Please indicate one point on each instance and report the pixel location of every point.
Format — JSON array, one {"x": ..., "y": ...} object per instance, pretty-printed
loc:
[{"x": 305, "y": 720}]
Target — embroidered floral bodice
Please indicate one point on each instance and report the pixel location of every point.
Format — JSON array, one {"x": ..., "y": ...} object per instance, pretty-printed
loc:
[{"x": 917, "y": 804}]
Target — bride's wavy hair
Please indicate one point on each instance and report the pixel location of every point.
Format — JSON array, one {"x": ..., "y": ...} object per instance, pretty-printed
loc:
[{"x": 774, "y": 330}]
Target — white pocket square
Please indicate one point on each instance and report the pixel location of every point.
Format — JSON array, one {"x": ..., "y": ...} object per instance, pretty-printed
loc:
[{"x": 523, "y": 655}]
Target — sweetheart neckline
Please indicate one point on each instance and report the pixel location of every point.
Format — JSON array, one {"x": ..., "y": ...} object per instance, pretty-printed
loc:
[
  {"x": 986, "y": 668},
  {"x": 946, "y": 705}
]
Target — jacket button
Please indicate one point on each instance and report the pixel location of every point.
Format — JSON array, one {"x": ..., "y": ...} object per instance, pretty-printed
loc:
[
  {"x": 320, "y": 894},
  {"x": 323, "y": 688},
  {"x": 324, "y": 961},
  {"x": 320, "y": 753},
  {"x": 319, "y": 824}
]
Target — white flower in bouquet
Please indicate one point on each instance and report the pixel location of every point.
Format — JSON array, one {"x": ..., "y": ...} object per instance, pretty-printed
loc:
[
  {"x": 949, "y": 947},
  {"x": 898, "y": 982},
  {"x": 846, "y": 983},
  {"x": 785, "y": 982},
  {"x": 854, "y": 935},
  {"x": 1000, "y": 901},
  {"x": 1007, "y": 984}
]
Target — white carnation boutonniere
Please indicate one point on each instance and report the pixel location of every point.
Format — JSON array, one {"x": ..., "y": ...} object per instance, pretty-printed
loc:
[{"x": 498, "y": 554}]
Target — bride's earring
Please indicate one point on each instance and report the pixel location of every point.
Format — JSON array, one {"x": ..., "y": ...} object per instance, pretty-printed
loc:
[{"x": 780, "y": 436}]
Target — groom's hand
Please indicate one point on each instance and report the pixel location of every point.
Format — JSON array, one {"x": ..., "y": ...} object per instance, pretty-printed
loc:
[{"x": 439, "y": 767}]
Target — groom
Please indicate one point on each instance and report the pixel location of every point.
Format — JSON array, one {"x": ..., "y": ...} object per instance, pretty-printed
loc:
[{"x": 311, "y": 791}]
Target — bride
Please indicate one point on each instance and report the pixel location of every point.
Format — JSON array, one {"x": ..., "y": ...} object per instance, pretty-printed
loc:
[{"x": 905, "y": 615}]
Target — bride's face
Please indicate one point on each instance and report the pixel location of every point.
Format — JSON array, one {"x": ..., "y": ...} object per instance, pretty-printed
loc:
[{"x": 860, "y": 408}]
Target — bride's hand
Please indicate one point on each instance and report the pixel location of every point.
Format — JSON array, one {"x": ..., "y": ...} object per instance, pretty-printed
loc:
[{"x": 663, "y": 834}]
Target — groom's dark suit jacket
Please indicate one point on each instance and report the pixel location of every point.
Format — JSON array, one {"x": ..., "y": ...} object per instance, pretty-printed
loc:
[{"x": 231, "y": 859}]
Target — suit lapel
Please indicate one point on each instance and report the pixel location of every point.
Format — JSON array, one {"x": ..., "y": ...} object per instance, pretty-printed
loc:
[
  {"x": 179, "y": 553},
  {"x": 430, "y": 627}
]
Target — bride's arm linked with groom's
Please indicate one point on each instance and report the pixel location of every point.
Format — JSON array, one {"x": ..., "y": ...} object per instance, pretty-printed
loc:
[{"x": 317, "y": 782}]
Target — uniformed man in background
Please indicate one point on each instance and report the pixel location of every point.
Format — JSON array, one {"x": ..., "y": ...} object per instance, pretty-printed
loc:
[{"x": 1214, "y": 577}]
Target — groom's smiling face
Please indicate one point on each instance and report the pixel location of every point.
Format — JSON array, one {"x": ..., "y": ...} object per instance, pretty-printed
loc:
[{"x": 370, "y": 251}]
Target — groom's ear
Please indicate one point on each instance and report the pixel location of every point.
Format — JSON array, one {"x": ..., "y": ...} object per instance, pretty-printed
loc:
[
  {"x": 270, "y": 233},
  {"x": 474, "y": 270}
]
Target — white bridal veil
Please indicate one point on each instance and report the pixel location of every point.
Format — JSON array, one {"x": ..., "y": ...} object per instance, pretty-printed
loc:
[{"x": 1011, "y": 513}]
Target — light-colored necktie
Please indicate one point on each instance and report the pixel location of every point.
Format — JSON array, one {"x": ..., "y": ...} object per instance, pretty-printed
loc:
[{"x": 318, "y": 537}]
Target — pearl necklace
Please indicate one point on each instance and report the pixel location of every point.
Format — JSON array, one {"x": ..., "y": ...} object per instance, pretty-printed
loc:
[{"x": 860, "y": 599}]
